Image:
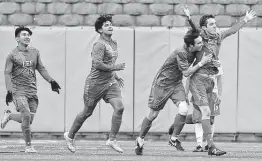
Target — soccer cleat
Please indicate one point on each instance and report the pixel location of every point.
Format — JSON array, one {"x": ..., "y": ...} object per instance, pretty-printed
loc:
[
  {"x": 114, "y": 145},
  {"x": 69, "y": 143},
  {"x": 198, "y": 149},
  {"x": 215, "y": 151},
  {"x": 176, "y": 143},
  {"x": 30, "y": 149},
  {"x": 138, "y": 148},
  {"x": 5, "y": 118}
]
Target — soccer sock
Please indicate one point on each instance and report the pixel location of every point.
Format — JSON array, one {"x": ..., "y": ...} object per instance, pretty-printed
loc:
[
  {"x": 146, "y": 125},
  {"x": 116, "y": 123},
  {"x": 212, "y": 130},
  {"x": 77, "y": 124},
  {"x": 25, "y": 125},
  {"x": 207, "y": 132},
  {"x": 15, "y": 117},
  {"x": 189, "y": 119},
  {"x": 199, "y": 134},
  {"x": 171, "y": 129},
  {"x": 178, "y": 125}
]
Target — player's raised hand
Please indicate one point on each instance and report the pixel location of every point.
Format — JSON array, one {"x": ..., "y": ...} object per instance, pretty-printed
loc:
[
  {"x": 206, "y": 58},
  {"x": 250, "y": 15},
  {"x": 186, "y": 11},
  {"x": 120, "y": 66},
  {"x": 55, "y": 86}
]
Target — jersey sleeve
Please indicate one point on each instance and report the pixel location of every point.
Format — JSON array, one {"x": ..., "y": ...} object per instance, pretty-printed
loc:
[
  {"x": 182, "y": 61},
  {"x": 8, "y": 72}
]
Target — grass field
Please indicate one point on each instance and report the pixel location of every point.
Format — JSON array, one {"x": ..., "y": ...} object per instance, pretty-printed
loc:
[{"x": 11, "y": 150}]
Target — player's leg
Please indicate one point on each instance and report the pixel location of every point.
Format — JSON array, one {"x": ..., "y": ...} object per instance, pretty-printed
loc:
[
  {"x": 113, "y": 96},
  {"x": 197, "y": 118},
  {"x": 157, "y": 100},
  {"x": 179, "y": 98},
  {"x": 198, "y": 88},
  {"x": 92, "y": 96}
]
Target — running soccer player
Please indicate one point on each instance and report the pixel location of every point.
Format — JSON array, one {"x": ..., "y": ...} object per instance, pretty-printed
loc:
[
  {"x": 20, "y": 81},
  {"x": 101, "y": 83}
]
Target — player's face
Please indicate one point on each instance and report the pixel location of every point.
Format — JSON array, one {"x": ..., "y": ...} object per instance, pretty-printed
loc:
[
  {"x": 198, "y": 44},
  {"x": 24, "y": 38},
  {"x": 211, "y": 25},
  {"x": 107, "y": 28}
]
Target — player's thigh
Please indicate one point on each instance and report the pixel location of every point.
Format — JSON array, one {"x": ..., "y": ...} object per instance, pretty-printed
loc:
[
  {"x": 214, "y": 108},
  {"x": 179, "y": 94},
  {"x": 21, "y": 102},
  {"x": 113, "y": 95},
  {"x": 196, "y": 115},
  {"x": 33, "y": 104},
  {"x": 158, "y": 97},
  {"x": 92, "y": 95},
  {"x": 198, "y": 88}
]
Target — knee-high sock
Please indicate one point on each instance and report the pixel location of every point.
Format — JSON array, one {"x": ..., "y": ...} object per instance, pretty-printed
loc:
[
  {"x": 146, "y": 125},
  {"x": 171, "y": 129},
  {"x": 178, "y": 125},
  {"x": 77, "y": 124},
  {"x": 199, "y": 134},
  {"x": 25, "y": 125},
  {"x": 116, "y": 123},
  {"x": 207, "y": 132},
  {"x": 212, "y": 130}
]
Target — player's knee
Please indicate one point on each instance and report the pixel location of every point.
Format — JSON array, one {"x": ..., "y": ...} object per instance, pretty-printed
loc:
[
  {"x": 183, "y": 108},
  {"x": 152, "y": 115},
  {"x": 87, "y": 112},
  {"x": 212, "y": 120},
  {"x": 119, "y": 110},
  {"x": 32, "y": 118}
]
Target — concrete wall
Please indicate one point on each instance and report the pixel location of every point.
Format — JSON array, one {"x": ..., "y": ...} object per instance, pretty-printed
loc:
[{"x": 126, "y": 12}]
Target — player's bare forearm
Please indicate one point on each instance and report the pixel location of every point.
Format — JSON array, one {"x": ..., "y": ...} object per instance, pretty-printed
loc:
[
  {"x": 192, "y": 24},
  {"x": 45, "y": 74},
  {"x": 219, "y": 85},
  {"x": 187, "y": 86},
  {"x": 234, "y": 29},
  {"x": 104, "y": 67},
  {"x": 8, "y": 82}
]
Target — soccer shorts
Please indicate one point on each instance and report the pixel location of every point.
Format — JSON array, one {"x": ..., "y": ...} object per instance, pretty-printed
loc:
[
  {"x": 159, "y": 95},
  {"x": 28, "y": 102},
  {"x": 94, "y": 93}
]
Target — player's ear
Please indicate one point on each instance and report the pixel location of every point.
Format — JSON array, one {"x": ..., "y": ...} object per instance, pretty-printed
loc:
[
  {"x": 17, "y": 39},
  {"x": 100, "y": 31}
]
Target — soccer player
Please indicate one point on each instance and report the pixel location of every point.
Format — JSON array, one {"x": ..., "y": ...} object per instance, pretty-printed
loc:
[
  {"x": 202, "y": 80},
  {"x": 20, "y": 80},
  {"x": 168, "y": 84},
  {"x": 101, "y": 83},
  {"x": 196, "y": 117}
]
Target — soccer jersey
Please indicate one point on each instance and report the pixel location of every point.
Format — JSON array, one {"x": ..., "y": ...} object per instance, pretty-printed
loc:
[
  {"x": 104, "y": 51},
  {"x": 212, "y": 44},
  {"x": 170, "y": 73},
  {"x": 20, "y": 68}
]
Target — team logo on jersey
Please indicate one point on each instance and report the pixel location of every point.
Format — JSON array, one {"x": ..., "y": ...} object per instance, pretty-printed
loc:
[{"x": 27, "y": 63}]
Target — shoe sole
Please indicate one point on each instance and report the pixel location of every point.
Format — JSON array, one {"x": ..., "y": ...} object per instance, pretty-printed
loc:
[{"x": 217, "y": 154}]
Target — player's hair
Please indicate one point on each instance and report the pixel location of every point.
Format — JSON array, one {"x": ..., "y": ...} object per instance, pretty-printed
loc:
[
  {"x": 204, "y": 18},
  {"x": 190, "y": 37},
  {"x": 101, "y": 20},
  {"x": 22, "y": 28}
]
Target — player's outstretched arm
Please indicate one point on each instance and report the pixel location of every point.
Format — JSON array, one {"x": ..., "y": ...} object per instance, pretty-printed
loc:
[
  {"x": 8, "y": 83},
  {"x": 98, "y": 55},
  {"x": 187, "y": 13},
  {"x": 248, "y": 17}
]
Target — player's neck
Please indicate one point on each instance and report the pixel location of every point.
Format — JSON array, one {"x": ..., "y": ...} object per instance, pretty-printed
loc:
[
  {"x": 22, "y": 47},
  {"x": 106, "y": 37}
]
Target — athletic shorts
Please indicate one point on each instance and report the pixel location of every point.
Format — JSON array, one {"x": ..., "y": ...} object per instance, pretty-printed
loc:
[
  {"x": 200, "y": 87},
  {"x": 214, "y": 109},
  {"x": 159, "y": 96},
  {"x": 28, "y": 102},
  {"x": 94, "y": 93}
]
